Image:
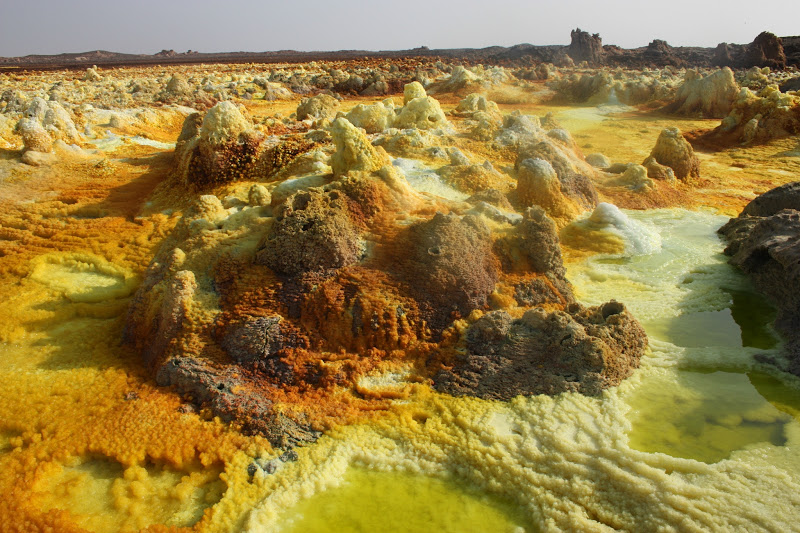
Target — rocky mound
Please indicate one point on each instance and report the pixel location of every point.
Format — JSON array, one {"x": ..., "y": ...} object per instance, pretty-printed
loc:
[
  {"x": 764, "y": 242},
  {"x": 224, "y": 145},
  {"x": 312, "y": 233},
  {"x": 577, "y": 350},
  {"x": 710, "y": 96},
  {"x": 675, "y": 152},
  {"x": 758, "y": 117},
  {"x": 450, "y": 266},
  {"x": 294, "y": 275}
]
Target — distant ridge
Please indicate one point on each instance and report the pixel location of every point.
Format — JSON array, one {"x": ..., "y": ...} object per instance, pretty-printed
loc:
[{"x": 657, "y": 54}]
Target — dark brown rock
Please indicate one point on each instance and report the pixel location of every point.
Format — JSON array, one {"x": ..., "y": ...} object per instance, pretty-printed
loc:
[
  {"x": 449, "y": 266},
  {"x": 775, "y": 200},
  {"x": 764, "y": 242},
  {"x": 661, "y": 53},
  {"x": 312, "y": 233},
  {"x": 585, "y": 47},
  {"x": 228, "y": 397},
  {"x": 791, "y": 85},
  {"x": 582, "y": 350},
  {"x": 766, "y": 50},
  {"x": 723, "y": 56}
]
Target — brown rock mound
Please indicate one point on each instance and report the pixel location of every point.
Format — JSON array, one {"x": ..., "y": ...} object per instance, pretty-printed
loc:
[
  {"x": 766, "y": 50},
  {"x": 582, "y": 350},
  {"x": 312, "y": 233},
  {"x": 449, "y": 266}
]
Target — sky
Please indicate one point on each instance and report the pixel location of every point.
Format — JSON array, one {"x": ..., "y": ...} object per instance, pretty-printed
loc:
[{"x": 148, "y": 26}]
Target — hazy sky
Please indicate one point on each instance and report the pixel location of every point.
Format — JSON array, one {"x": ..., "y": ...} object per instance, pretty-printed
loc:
[{"x": 148, "y": 26}]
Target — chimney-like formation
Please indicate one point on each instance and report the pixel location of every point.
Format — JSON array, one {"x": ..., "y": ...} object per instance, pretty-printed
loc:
[{"x": 586, "y": 47}]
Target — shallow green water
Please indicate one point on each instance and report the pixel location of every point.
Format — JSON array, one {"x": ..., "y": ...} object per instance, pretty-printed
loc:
[
  {"x": 370, "y": 501},
  {"x": 703, "y": 416},
  {"x": 753, "y": 314},
  {"x": 704, "y": 317}
]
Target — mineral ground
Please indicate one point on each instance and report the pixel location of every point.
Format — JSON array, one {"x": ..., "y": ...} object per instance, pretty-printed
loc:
[{"x": 228, "y": 289}]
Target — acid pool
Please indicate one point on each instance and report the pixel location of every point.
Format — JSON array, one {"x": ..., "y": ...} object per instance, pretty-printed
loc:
[
  {"x": 704, "y": 320},
  {"x": 368, "y": 501}
]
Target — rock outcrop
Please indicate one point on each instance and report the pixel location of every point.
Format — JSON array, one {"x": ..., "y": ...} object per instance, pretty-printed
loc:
[
  {"x": 673, "y": 151},
  {"x": 222, "y": 392},
  {"x": 661, "y": 53},
  {"x": 449, "y": 266},
  {"x": 312, "y": 233},
  {"x": 577, "y": 350},
  {"x": 766, "y": 50},
  {"x": 585, "y": 47},
  {"x": 320, "y": 106},
  {"x": 224, "y": 146},
  {"x": 764, "y": 242},
  {"x": 709, "y": 96},
  {"x": 160, "y": 308}
]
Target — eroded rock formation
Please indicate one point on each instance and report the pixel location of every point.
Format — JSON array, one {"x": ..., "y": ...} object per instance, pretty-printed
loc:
[
  {"x": 673, "y": 151},
  {"x": 577, "y": 350},
  {"x": 224, "y": 145},
  {"x": 585, "y": 47},
  {"x": 709, "y": 96},
  {"x": 764, "y": 242}
]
